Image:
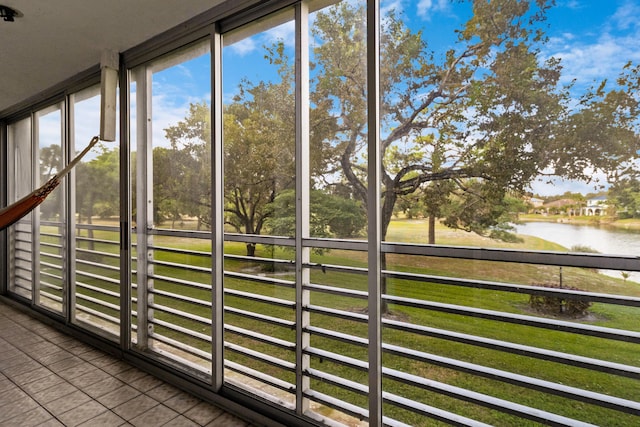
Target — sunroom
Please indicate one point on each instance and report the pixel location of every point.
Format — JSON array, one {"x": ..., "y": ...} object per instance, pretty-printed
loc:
[{"x": 319, "y": 210}]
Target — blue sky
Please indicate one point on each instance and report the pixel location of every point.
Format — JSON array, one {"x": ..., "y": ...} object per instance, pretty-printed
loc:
[{"x": 593, "y": 38}]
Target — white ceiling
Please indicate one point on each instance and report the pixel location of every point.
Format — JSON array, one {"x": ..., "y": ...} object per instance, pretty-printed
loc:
[{"x": 56, "y": 39}]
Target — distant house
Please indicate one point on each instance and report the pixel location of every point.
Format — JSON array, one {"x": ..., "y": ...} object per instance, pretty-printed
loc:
[
  {"x": 595, "y": 207},
  {"x": 535, "y": 202},
  {"x": 566, "y": 206}
]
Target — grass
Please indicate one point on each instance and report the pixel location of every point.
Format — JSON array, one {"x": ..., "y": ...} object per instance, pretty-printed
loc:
[{"x": 415, "y": 231}]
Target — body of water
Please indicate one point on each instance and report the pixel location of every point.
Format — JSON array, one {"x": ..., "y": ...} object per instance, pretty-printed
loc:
[{"x": 606, "y": 240}]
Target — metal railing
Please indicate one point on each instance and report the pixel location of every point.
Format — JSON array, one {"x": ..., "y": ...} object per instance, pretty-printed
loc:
[{"x": 461, "y": 350}]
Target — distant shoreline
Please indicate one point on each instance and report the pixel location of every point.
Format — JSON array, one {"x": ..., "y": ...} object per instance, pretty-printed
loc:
[{"x": 629, "y": 224}]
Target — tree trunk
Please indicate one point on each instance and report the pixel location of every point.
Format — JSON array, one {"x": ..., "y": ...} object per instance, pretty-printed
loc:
[
  {"x": 432, "y": 229},
  {"x": 251, "y": 249},
  {"x": 385, "y": 219}
]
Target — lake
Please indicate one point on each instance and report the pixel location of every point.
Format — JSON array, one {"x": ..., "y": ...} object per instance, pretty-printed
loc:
[{"x": 606, "y": 240}]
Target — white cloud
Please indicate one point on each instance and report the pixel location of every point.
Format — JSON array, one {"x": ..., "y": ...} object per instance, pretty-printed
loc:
[
  {"x": 243, "y": 47},
  {"x": 596, "y": 56},
  {"x": 427, "y": 7},
  {"x": 626, "y": 16}
]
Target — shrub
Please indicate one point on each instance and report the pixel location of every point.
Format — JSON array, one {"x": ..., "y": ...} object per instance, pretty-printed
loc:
[{"x": 559, "y": 305}]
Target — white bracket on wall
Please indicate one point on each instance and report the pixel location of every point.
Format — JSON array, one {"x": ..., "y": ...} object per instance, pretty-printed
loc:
[{"x": 109, "y": 65}]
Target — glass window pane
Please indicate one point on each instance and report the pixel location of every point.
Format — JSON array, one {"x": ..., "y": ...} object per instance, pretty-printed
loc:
[
  {"x": 52, "y": 271},
  {"x": 260, "y": 199},
  {"x": 171, "y": 162},
  {"x": 95, "y": 192},
  {"x": 510, "y": 156}
]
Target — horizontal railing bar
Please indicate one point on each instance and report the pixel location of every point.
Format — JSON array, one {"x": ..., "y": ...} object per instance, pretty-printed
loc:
[
  {"x": 337, "y": 358},
  {"x": 186, "y": 267},
  {"x": 285, "y": 262},
  {"x": 261, "y": 239},
  {"x": 480, "y": 399},
  {"x": 98, "y": 314},
  {"x": 98, "y": 277},
  {"x": 520, "y": 289},
  {"x": 50, "y": 285},
  {"x": 204, "y": 235},
  {"x": 523, "y": 350},
  {"x": 23, "y": 286},
  {"x": 344, "y": 244},
  {"x": 182, "y": 346},
  {"x": 261, "y": 317},
  {"x": 430, "y": 411},
  {"x": 336, "y": 291},
  {"x": 338, "y": 268},
  {"x": 100, "y": 253},
  {"x": 287, "y": 345},
  {"x": 182, "y": 330},
  {"x": 50, "y": 296},
  {"x": 52, "y": 223},
  {"x": 183, "y": 314},
  {"x": 97, "y": 265},
  {"x": 574, "y": 393},
  {"x": 177, "y": 297},
  {"x": 22, "y": 264},
  {"x": 558, "y": 325},
  {"x": 257, "y": 355},
  {"x": 337, "y": 381},
  {"x": 19, "y": 276},
  {"x": 50, "y": 265},
  {"x": 50, "y": 275},
  {"x": 259, "y": 376},
  {"x": 260, "y": 279},
  {"x": 260, "y": 298},
  {"x": 50, "y": 245},
  {"x": 179, "y": 251},
  {"x": 566, "y": 259},
  {"x": 94, "y": 240},
  {"x": 98, "y": 301},
  {"x": 176, "y": 281},
  {"x": 340, "y": 405},
  {"x": 84, "y": 226},
  {"x": 363, "y": 318},
  {"x": 97, "y": 289},
  {"x": 338, "y": 336}
]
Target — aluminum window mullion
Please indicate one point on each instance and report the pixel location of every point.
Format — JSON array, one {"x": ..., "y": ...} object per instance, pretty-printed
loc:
[
  {"x": 71, "y": 217},
  {"x": 144, "y": 179},
  {"x": 373, "y": 214},
  {"x": 126, "y": 308},
  {"x": 302, "y": 104},
  {"x": 217, "y": 215},
  {"x": 35, "y": 213}
]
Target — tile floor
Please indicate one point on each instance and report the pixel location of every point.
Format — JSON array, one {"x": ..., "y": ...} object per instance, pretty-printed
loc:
[{"x": 50, "y": 379}]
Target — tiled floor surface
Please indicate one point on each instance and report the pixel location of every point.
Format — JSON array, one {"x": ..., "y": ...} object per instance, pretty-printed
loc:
[{"x": 50, "y": 379}]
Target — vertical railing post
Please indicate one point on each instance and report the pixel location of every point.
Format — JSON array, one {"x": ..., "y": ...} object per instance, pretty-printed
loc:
[
  {"x": 125, "y": 212},
  {"x": 35, "y": 214},
  {"x": 144, "y": 203},
  {"x": 302, "y": 201},
  {"x": 70, "y": 213},
  {"x": 4, "y": 197},
  {"x": 373, "y": 211}
]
